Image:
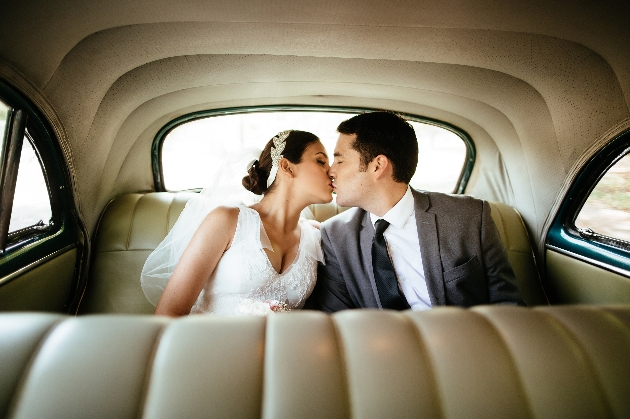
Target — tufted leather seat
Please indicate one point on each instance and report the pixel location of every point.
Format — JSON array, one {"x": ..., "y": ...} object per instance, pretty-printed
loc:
[
  {"x": 489, "y": 361},
  {"x": 132, "y": 225}
]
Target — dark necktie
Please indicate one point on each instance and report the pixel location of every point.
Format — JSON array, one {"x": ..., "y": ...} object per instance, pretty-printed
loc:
[{"x": 384, "y": 274}]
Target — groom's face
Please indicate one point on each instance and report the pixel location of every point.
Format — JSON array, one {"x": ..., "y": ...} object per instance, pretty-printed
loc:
[{"x": 349, "y": 182}]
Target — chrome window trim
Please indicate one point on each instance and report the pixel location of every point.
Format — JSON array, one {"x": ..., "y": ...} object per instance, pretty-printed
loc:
[{"x": 590, "y": 261}]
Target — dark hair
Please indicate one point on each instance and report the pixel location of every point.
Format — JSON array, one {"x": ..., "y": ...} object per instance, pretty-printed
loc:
[
  {"x": 384, "y": 133},
  {"x": 257, "y": 175}
]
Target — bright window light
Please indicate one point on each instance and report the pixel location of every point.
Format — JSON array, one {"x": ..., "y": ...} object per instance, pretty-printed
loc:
[{"x": 192, "y": 152}]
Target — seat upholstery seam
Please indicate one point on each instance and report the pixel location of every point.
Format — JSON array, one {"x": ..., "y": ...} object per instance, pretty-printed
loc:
[
  {"x": 133, "y": 217},
  {"x": 529, "y": 253},
  {"x": 18, "y": 391},
  {"x": 168, "y": 214},
  {"x": 341, "y": 350},
  {"x": 426, "y": 356},
  {"x": 587, "y": 359},
  {"x": 522, "y": 252},
  {"x": 100, "y": 221},
  {"x": 512, "y": 357},
  {"x": 533, "y": 255},
  {"x": 148, "y": 374},
  {"x": 92, "y": 256},
  {"x": 606, "y": 310},
  {"x": 263, "y": 387},
  {"x": 508, "y": 243},
  {"x": 124, "y": 251}
]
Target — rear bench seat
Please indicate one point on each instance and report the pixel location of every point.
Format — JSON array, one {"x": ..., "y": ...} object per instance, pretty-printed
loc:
[
  {"x": 486, "y": 362},
  {"x": 132, "y": 225}
]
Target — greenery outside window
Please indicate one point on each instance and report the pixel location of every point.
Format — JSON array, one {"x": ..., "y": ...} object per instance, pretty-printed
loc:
[
  {"x": 605, "y": 216},
  {"x": 592, "y": 223}
]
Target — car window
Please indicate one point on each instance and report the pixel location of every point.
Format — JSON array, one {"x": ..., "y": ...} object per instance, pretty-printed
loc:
[
  {"x": 35, "y": 207},
  {"x": 592, "y": 223},
  {"x": 31, "y": 202},
  {"x": 607, "y": 209},
  {"x": 4, "y": 115},
  {"x": 192, "y": 151}
]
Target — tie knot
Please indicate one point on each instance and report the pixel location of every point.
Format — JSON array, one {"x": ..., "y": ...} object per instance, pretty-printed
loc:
[{"x": 381, "y": 225}]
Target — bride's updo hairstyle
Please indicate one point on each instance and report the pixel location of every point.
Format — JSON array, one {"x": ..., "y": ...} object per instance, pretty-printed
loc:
[{"x": 257, "y": 175}]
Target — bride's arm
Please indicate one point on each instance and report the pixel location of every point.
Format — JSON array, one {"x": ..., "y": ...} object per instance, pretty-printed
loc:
[{"x": 210, "y": 241}]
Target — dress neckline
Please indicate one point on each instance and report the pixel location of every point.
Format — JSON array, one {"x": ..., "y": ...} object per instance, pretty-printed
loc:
[{"x": 262, "y": 230}]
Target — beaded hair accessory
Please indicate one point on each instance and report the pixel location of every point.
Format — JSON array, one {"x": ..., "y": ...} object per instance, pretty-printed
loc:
[{"x": 279, "y": 141}]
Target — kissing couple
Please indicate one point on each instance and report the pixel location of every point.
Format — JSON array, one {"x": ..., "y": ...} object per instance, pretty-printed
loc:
[{"x": 398, "y": 248}]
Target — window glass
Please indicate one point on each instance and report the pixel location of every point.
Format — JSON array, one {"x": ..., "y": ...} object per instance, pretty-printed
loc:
[
  {"x": 31, "y": 203},
  {"x": 4, "y": 114},
  {"x": 607, "y": 209},
  {"x": 192, "y": 152}
]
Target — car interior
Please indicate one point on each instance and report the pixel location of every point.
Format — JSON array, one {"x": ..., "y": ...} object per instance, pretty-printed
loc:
[{"x": 96, "y": 99}]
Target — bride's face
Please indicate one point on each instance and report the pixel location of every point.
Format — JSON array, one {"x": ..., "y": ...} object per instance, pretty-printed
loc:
[{"x": 312, "y": 174}]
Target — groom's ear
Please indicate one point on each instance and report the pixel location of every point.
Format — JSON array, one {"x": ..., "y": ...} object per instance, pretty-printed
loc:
[{"x": 380, "y": 166}]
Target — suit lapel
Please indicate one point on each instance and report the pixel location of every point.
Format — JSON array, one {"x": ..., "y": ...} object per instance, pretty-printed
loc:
[
  {"x": 429, "y": 248},
  {"x": 366, "y": 236}
]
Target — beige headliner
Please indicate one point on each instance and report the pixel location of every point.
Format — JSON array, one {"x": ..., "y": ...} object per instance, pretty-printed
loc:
[{"x": 538, "y": 85}]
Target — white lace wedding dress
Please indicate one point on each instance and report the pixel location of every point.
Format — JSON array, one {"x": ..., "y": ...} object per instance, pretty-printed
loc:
[{"x": 244, "y": 281}]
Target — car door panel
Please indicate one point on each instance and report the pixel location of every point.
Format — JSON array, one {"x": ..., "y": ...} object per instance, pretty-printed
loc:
[
  {"x": 573, "y": 281},
  {"x": 43, "y": 287}
]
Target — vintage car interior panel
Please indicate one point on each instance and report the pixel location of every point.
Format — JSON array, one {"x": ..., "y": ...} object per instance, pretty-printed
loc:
[
  {"x": 37, "y": 262},
  {"x": 539, "y": 92},
  {"x": 579, "y": 282},
  {"x": 43, "y": 288}
]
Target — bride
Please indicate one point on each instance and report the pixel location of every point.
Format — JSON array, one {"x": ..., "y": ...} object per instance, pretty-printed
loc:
[{"x": 241, "y": 259}]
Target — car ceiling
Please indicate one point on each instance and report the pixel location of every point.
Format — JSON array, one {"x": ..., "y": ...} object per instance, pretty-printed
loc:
[{"x": 538, "y": 85}]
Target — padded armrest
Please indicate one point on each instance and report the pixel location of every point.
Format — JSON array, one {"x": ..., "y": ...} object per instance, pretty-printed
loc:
[{"x": 490, "y": 361}]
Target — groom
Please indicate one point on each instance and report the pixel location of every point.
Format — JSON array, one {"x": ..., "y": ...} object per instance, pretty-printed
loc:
[{"x": 402, "y": 248}]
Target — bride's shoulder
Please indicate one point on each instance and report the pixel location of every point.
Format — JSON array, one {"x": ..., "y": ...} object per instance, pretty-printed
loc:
[
  {"x": 226, "y": 210},
  {"x": 223, "y": 215}
]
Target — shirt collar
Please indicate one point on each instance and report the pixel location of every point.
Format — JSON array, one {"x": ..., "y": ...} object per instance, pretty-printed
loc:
[{"x": 399, "y": 213}]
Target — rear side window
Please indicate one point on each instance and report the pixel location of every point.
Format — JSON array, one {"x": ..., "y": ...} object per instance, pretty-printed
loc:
[
  {"x": 606, "y": 212},
  {"x": 31, "y": 202},
  {"x": 4, "y": 115},
  {"x": 191, "y": 150},
  {"x": 26, "y": 207}
]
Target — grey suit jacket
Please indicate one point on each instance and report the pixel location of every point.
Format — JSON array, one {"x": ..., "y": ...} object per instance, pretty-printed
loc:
[{"x": 465, "y": 262}]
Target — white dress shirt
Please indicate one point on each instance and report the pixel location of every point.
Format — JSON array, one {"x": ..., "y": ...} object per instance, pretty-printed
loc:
[{"x": 404, "y": 250}]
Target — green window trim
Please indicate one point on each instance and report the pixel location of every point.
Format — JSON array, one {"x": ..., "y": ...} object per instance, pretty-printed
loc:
[{"x": 564, "y": 237}]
